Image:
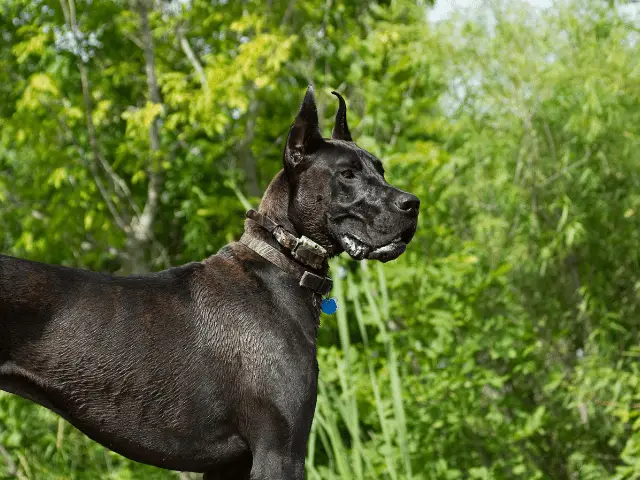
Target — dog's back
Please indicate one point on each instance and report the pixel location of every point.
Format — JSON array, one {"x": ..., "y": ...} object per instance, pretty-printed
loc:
[{"x": 32, "y": 293}]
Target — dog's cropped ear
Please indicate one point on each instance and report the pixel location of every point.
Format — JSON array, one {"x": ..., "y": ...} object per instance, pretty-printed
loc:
[
  {"x": 305, "y": 136},
  {"x": 341, "y": 129}
]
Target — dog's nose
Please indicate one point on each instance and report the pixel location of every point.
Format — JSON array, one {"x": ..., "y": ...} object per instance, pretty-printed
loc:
[{"x": 408, "y": 203}]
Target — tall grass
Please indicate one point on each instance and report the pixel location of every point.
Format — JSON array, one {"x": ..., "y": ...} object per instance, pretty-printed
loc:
[{"x": 381, "y": 449}]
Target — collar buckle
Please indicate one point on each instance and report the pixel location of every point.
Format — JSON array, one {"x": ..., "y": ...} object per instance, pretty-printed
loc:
[
  {"x": 309, "y": 252},
  {"x": 321, "y": 285},
  {"x": 316, "y": 283},
  {"x": 302, "y": 249}
]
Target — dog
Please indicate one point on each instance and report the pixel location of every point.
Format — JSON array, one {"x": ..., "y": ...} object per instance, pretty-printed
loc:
[{"x": 211, "y": 366}]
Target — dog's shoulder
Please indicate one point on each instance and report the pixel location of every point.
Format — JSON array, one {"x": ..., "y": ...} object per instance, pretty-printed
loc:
[
  {"x": 227, "y": 266},
  {"x": 181, "y": 272}
]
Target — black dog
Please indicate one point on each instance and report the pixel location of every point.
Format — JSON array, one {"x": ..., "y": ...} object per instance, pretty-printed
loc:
[{"x": 211, "y": 366}]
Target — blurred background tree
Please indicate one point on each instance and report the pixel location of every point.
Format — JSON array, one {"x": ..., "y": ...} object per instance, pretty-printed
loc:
[{"x": 503, "y": 344}]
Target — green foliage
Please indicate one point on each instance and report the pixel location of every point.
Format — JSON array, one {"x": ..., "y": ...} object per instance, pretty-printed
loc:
[{"x": 503, "y": 344}]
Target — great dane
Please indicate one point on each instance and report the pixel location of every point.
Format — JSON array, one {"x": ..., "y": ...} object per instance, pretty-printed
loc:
[{"x": 211, "y": 366}]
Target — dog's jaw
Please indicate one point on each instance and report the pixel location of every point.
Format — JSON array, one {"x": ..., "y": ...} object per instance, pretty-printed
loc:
[
  {"x": 359, "y": 250},
  {"x": 388, "y": 252}
]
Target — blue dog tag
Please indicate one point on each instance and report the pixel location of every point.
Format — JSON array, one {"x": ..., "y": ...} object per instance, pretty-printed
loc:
[{"x": 329, "y": 306}]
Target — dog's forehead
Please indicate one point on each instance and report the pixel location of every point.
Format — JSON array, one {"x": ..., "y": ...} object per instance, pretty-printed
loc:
[{"x": 350, "y": 151}]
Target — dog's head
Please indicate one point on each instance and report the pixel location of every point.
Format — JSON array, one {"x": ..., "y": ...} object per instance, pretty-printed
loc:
[{"x": 338, "y": 194}]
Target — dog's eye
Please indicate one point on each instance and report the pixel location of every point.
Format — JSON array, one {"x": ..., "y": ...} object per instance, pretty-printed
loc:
[{"x": 347, "y": 174}]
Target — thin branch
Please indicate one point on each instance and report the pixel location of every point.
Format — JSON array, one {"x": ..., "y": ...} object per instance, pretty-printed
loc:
[
  {"x": 288, "y": 12},
  {"x": 12, "y": 469},
  {"x": 243, "y": 148},
  {"x": 117, "y": 182},
  {"x": 72, "y": 12},
  {"x": 65, "y": 12},
  {"x": 94, "y": 173},
  {"x": 396, "y": 129},
  {"x": 566, "y": 169},
  {"x": 134, "y": 39},
  {"x": 197, "y": 66},
  {"x": 581, "y": 309},
  {"x": 11, "y": 465},
  {"x": 552, "y": 145}
]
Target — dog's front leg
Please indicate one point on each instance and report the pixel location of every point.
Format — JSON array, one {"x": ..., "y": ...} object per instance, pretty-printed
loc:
[
  {"x": 271, "y": 461},
  {"x": 235, "y": 471},
  {"x": 277, "y": 462},
  {"x": 278, "y": 446}
]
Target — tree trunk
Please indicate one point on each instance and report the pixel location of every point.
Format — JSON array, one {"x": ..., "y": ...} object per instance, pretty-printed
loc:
[{"x": 141, "y": 235}]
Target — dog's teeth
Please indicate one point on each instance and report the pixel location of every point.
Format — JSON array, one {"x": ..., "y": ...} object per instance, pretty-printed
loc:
[
  {"x": 353, "y": 247},
  {"x": 385, "y": 248}
]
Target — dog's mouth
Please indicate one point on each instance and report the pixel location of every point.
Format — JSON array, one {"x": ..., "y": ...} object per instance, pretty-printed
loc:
[{"x": 359, "y": 250}]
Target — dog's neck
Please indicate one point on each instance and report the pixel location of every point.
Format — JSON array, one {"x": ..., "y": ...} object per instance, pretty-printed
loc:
[
  {"x": 275, "y": 205},
  {"x": 275, "y": 202}
]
